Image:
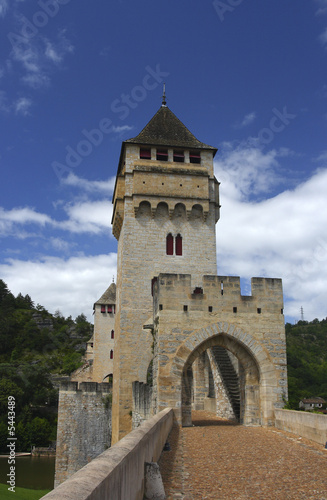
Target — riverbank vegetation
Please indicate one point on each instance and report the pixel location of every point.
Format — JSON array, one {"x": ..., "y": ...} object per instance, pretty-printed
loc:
[{"x": 37, "y": 349}]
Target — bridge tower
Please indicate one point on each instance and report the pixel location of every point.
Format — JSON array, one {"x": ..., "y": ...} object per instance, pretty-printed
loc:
[{"x": 165, "y": 207}]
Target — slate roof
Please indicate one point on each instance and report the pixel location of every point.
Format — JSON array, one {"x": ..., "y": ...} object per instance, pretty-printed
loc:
[
  {"x": 165, "y": 129},
  {"x": 109, "y": 296}
]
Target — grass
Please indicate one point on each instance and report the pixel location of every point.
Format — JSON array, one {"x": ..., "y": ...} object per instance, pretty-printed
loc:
[{"x": 21, "y": 493}]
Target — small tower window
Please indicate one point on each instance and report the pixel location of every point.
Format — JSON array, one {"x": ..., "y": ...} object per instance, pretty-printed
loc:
[
  {"x": 170, "y": 244},
  {"x": 179, "y": 245},
  {"x": 162, "y": 154},
  {"x": 178, "y": 156},
  {"x": 145, "y": 153},
  {"x": 111, "y": 354},
  {"x": 195, "y": 157},
  {"x": 103, "y": 309},
  {"x": 112, "y": 334},
  {"x": 110, "y": 309}
]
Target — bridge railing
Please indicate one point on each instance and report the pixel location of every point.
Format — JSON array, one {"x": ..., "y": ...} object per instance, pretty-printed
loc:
[
  {"x": 119, "y": 471},
  {"x": 308, "y": 425}
]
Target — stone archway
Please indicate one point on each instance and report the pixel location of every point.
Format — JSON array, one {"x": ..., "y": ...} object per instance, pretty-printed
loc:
[
  {"x": 249, "y": 381},
  {"x": 261, "y": 376}
]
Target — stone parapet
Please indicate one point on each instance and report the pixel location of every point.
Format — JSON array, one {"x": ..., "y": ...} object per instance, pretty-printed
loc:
[
  {"x": 118, "y": 473},
  {"x": 308, "y": 425}
]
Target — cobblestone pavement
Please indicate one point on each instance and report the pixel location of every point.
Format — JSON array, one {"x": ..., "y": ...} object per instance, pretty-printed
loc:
[{"x": 217, "y": 460}]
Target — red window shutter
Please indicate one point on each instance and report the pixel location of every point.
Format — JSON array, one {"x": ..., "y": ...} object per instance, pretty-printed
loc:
[
  {"x": 112, "y": 334},
  {"x": 103, "y": 309},
  {"x": 170, "y": 244},
  {"x": 195, "y": 157},
  {"x": 109, "y": 309},
  {"x": 111, "y": 354},
  {"x": 145, "y": 153},
  {"x": 162, "y": 154},
  {"x": 179, "y": 245}
]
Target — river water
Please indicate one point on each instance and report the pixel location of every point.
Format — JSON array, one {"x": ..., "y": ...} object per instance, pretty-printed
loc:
[{"x": 36, "y": 473}]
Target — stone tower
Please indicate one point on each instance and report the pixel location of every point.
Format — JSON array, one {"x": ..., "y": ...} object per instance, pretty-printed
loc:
[{"x": 166, "y": 205}]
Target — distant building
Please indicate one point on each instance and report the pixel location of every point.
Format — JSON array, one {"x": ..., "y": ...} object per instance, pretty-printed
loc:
[{"x": 311, "y": 403}]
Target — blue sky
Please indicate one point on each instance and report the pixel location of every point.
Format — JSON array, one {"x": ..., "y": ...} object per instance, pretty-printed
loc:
[{"x": 79, "y": 77}]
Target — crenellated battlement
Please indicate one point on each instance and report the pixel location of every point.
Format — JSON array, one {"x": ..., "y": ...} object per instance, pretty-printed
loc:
[
  {"x": 217, "y": 294},
  {"x": 84, "y": 387}
]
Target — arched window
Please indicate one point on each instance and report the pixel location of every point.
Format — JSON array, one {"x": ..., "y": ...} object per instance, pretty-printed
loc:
[
  {"x": 179, "y": 245},
  {"x": 170, "y": 244},
  {"x": 112, "y": 334},
  {"x": 111, "y": 354}
]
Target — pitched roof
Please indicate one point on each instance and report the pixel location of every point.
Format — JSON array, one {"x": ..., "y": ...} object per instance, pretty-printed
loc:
[
  {"x": 109, "y": 296},
  {"x": 165, "y": 129}
]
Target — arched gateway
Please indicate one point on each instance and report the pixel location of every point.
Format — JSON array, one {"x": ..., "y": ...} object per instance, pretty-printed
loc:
[{"x": 257, "y": 343}]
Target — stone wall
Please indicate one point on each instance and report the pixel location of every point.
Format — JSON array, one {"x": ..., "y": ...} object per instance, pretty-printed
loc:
[
  {"x": 142, "y": 403},
  {"x": 84, "y": 426},
  {"x": 308, "y": 425},
  {"x": 118, "y": 473}
]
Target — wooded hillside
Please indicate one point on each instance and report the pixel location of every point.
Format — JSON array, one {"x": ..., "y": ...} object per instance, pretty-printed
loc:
[{"x": 36, "y": 348}]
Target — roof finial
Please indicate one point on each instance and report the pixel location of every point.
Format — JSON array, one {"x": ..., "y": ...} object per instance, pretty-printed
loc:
[{"x": 164, "y": 102}]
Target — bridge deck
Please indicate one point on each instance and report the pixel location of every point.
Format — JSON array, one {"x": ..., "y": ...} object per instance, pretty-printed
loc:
[{"x": 220, "y": 461}]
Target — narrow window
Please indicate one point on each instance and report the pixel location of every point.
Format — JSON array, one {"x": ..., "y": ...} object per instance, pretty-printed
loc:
[
  {"x": 169, "y": 244},
  {"x": 112, "y": 334},
  {"x": 210, "y": 309},
  {"x": 259, "y": 310},
  {"x": 103, "y": 309},
  {"x": 195, "y": 157},
  {"x": 179, "y": 245},
  {"x": 111, "y": 354},
  {"x": 282, "y": 311},
  {"x": 110, "y": 309},
  {"x": 222, "y": 288},
  {"x": 162, "y": 154},
  {"x": 160, "y": 307},
  {"x": 185, "y": 308},
  {"x": 234, "y": 309},
  {"x": 178, "y": 156},
  {"x": 145, "y": 153}
]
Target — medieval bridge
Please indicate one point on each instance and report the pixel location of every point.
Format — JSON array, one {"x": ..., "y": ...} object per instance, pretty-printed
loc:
[{"x": 209, "y": 347}]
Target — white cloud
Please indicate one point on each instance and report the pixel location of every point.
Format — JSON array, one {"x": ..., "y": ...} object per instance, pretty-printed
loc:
[
  {"x": 284, "y": 236},
  {"x": 72, "y": 285},
  {"x": 38, "y": 56},
  {"x": 248, "y": 119},
  {"x": 89, "y": 186},
  {"x": 120, "y": 129},
  {"x": 12, "y": 220},
  {"x": 246, "y": 170},
  {"x": 3, "y": 7},
  {"x": 323, "y": 7},
  {"x": 83, "y": 217},
  {"x": 23, "y": 105},
  {"x": 87, "y": 217}
]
